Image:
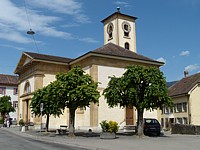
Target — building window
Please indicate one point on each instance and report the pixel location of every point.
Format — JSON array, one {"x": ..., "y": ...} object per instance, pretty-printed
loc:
[
  {"x": 126, "y": 28},
  {"x": 179, "y": 107},
  {"x": 174, "y": 108},
  {"x": 15, "y": 91},
  {"x": 166, "y": 123},
  {"x": 80, "y": 110},
  {"x": 126, "y": 45},
  {"x": 27, "y": 88},
  {"x": 171, "y": 110},
  {"x": 15, "y": 104},
  {"x": 162, "y": 122},
  {"x": 110, "y": 30},
  {"x": 185, "y": 120},
  {"x": 3, "y": 90},
  {"x": 166, "y": 110},
  {"x": 179, "y": 121},
  {"x": 184, "y": 107},
  {"x": 163, "y": 109}
]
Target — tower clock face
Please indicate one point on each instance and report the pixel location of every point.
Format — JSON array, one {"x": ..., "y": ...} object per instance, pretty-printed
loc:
[
  {"x": 110, "y": 28},
  {"x": 126, "y": 26}
]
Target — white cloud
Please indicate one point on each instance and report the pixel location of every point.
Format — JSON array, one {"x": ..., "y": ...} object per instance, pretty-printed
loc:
[
  {"x": 70, "y": 25},
  {"x": 89, "y": 40},
  {"x": 122, "y": 3},
  {"x": 161, "y": 59},
  {"x": 192, "y": 67},
  {"x": 13, "y": 47},
  {"x": 50, "y": 31},
  {"x": 69, "y": 7},
  {"x": 185, "y": 53},
  {"x": 14, "y": 20}
]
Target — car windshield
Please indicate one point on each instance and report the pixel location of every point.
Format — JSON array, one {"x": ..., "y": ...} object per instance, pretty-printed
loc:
[{"x": 151, "y": 121}]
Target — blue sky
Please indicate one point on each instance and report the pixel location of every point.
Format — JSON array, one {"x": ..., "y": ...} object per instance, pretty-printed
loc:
[{"x": 167, "y": 31}]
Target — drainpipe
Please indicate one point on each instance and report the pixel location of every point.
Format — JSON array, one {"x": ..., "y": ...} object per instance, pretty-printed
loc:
[{"x": 188, "y": 108}]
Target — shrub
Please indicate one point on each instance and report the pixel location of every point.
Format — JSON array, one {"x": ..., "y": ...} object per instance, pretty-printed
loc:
[
  {"x": 110, "y": 126},
  {"x": 104, "y": 126},
  {"x": 1, "y": 120},
  {"x": 21, "y": 122}
]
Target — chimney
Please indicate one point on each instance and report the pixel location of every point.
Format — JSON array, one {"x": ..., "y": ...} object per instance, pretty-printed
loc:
[{"x": 185, "y": 73}]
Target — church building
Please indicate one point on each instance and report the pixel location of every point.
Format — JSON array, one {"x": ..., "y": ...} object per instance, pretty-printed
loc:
[{"x": 119, "y": 51}]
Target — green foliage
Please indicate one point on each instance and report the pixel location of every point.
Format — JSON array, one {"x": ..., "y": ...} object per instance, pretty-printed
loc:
[
  {"x": 1, "y": 120},
  {"x": 72, "y": 90},
  {"x": 51, "y": 103},
  {"x": 76, "y": 88},
  {"x": 142, "y": 87},
  {"x": 113, "y": 126},
  {"x": 110, "y": 126},
  {"x": 21, "y": 122},
  {"x": 104, "y": 126},
  {"x": 6, "y": 105}
]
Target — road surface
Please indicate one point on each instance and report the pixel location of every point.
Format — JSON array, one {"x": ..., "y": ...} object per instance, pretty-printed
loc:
[{"x": 9, "y": 141}]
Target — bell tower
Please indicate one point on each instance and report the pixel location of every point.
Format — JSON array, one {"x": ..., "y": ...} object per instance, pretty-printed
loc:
[{"x": 120, "y": 29}]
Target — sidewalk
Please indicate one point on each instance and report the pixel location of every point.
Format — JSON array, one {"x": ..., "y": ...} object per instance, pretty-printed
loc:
[{"x": 122, "y": 142}]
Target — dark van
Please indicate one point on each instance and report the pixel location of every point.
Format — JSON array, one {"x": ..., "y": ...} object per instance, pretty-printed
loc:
[{"x": 151, "y": 126}]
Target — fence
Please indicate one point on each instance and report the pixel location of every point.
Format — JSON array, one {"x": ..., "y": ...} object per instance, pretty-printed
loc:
[{"x": 185, "y": 129}]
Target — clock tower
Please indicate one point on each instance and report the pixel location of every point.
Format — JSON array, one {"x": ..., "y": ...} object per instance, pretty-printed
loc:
[{"x": 120, "y": 29}]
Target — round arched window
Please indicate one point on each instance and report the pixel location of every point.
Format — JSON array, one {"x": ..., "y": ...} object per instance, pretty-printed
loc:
[
  {"x": 27, "y": 88},
  {"x": 126, "y": 45}
]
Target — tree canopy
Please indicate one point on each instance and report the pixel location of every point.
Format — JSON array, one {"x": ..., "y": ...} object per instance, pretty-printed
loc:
[
  {"x": 140, "y": 86},
  {"x": 6, "y": 105},
  {"x": 76, "y": 89},
  {"x": 51, "y": 103}
]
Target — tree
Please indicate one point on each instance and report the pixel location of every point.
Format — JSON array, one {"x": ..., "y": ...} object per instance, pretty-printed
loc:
[
  {"x": 140, "y": 86},
  {"x": 51, "y": 104},
  {"x": 6, "y": 105},
  {"x": 76, "y": 89}
]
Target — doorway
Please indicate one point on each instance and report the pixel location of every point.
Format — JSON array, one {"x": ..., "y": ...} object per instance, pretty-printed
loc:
[{"x": 129, "y": 115}]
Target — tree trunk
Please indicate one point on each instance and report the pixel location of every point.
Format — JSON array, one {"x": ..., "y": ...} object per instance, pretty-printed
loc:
[
  {"x": 71, "y": 122},
  {"x": 47, "y": 123},
  {"x": 140, "y": 122}
]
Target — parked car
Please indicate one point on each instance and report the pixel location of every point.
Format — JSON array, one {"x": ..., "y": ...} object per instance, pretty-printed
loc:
[{"x": 151, "y": 127}]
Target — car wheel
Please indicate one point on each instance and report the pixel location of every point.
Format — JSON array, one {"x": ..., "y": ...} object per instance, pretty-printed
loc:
[{"x": 158, "y": 134}]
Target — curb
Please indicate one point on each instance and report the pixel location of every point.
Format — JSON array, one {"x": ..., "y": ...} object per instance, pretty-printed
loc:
[{"x": 47, "y": 139}]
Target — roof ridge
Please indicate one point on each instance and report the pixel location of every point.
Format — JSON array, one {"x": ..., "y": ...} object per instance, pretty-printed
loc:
[
  {"x": 123, "y": 52},
  {"x": 47, "y": 55},
  {"x": 8, "y": 75},
  {"x": 184, "y": 85}
]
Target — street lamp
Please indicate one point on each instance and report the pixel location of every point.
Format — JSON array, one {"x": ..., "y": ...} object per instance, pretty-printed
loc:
[{"x": 30, "y": 32}]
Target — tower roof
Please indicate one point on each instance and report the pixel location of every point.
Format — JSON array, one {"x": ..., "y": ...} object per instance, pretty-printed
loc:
[{"x": 118, "y": 14}]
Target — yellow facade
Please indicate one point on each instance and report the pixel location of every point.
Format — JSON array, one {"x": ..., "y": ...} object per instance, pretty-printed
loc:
[{"x": 185, "y": 110}]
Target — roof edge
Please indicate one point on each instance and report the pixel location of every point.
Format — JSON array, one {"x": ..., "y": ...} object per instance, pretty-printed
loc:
[{"x": 118, "y": 13}]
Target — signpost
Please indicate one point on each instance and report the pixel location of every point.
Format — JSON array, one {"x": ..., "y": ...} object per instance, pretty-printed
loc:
[{"x": 41, "y": 109}]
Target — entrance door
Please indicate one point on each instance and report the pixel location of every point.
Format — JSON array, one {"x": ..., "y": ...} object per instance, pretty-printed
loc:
[
  {"x": 129, "y": 116},
  {"x": 26, "y": 111}
]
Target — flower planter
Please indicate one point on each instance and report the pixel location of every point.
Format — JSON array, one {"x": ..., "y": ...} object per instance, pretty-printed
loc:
[{"x": 107, "y": 135}]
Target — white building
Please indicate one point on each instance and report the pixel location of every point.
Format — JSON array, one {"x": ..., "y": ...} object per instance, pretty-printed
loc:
[
  {"x": 9, "y": 87},
  {"x": 119, "y": 51}
]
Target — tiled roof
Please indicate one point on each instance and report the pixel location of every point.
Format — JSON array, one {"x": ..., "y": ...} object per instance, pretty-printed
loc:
[
  {"x": 184, "y": 85},
  {"x": 120, "y": 14},
  {"x": 170, "y": 83},
  {"x": 8, "y": 79},
  {"x": 115, "y": 50},
  {"x": 48, "y": 57}
]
